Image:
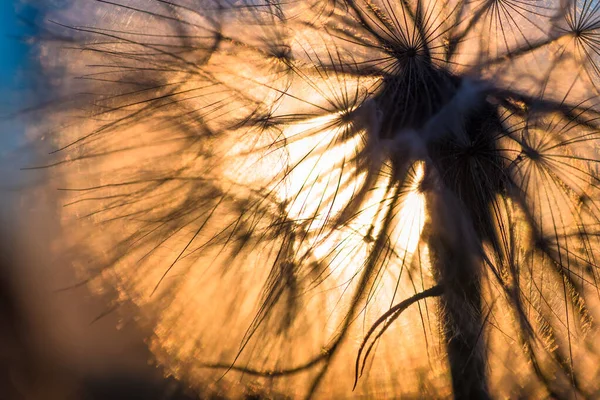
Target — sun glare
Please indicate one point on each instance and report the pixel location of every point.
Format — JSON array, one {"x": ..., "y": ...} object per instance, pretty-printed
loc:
[
  {"x": 321, "y": 178},
  {"x": 411, "y": 217}
]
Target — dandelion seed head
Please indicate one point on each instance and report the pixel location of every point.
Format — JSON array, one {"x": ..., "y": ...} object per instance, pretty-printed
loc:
[{"x": 302, "y": 197}]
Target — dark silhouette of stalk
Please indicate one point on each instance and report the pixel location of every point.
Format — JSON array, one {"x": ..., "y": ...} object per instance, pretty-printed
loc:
[
  {"x": 458, "y": 205},
  {"x": 453, "y": 257}
]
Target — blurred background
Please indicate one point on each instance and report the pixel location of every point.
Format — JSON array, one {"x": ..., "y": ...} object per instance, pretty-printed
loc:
[{"x": 54, "y": 343}]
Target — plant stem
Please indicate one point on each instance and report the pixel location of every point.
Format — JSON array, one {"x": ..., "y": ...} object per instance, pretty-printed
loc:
[{"x": 454, "y": 259}]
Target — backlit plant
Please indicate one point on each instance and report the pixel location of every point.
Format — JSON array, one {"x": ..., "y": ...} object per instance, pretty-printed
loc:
[{"x": 339, "y": 198}]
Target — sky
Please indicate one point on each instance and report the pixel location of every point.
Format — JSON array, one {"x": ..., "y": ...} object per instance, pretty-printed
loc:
[
  {"x": 17, "y": 24},
  {"x": 15, "y": 64}
]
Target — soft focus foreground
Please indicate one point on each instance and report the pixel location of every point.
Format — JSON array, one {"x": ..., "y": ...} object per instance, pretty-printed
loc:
[{"x": 336, "y": 199}]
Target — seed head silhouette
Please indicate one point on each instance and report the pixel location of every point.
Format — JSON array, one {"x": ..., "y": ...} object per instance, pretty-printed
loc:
[{"x": 338, "y": 199}]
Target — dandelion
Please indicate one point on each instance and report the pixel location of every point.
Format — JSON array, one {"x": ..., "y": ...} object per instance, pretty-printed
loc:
[{"x": 339, "y": 198}]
